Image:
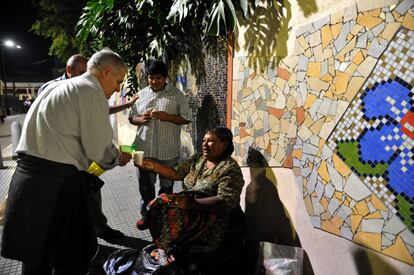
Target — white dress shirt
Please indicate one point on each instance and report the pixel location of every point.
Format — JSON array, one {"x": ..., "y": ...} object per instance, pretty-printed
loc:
[{"x": 69, "y": 123}]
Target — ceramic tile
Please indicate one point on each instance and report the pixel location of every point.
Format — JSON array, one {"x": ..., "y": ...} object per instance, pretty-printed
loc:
[
  {"x": 368, "y": 20},
  {"x": 399, "y": 250}
]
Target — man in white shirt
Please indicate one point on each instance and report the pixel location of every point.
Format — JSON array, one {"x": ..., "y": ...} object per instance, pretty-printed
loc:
[
  {"x": 47, "y": 222},
  {"x": 76, "y": 66}
]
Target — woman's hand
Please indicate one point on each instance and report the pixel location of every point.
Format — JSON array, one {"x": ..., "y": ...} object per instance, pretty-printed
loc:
[{"x": 125, "y": 158}]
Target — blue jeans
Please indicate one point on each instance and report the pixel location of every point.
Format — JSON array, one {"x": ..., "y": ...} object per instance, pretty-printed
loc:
[{"x": 147, "y": 180}]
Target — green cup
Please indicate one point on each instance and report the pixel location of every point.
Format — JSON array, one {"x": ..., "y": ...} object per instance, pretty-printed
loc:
[{"x": 127, "y": 149}]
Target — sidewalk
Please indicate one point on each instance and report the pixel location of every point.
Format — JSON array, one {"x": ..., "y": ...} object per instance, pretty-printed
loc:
[{"x": 120, "y": 197}]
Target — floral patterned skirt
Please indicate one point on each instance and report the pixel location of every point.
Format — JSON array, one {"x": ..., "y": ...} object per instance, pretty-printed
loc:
[{"x": 173, "y": 227}]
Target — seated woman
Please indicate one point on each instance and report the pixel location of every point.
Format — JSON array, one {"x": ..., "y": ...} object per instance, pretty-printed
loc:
[{"x": 197, "y": 218}]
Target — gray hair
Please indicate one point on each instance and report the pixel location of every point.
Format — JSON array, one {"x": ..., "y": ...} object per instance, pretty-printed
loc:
[
  {"x": 75, "y": 59},
  {"x": 105, "y": 57}
]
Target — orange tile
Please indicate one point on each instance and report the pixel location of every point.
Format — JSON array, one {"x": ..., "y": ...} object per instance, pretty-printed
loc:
[
  {"x": 276, "y": 112},
  {"x": 243, "y": 132},
  {"x": 283, "y": 73},
  {"x": 300, "y": 115},
  {"x": 288, "y": 162}
]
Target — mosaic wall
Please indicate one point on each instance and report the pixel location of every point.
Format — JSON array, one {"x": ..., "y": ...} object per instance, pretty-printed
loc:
[
  {"x": 340, "y": 113},
  {"x": 375, "y": 136}
]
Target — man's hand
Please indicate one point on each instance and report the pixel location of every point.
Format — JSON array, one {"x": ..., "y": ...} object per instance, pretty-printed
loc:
[
  {"x": 140, "y": 120},
  {"x": 125, "y": 158},
  {"x": 161, "y": 115},
  {"x": 132, "y": 101},
  {"x": 146, "y": 165}
]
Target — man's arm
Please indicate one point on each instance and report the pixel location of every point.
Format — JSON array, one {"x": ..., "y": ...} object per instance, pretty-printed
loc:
[
  {"x": 117, "y": 108},
  {"x": 164, "y": 116}
]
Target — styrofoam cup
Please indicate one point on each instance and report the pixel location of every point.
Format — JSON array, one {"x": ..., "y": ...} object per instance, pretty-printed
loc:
[{"x": 138, "y": 156}]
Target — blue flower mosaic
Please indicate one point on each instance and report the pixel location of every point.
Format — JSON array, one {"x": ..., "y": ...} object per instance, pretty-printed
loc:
[{"x": 387, "y": 103}]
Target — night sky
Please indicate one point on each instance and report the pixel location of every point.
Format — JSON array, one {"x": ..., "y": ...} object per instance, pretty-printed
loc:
[{"x": 31, "y": 62}]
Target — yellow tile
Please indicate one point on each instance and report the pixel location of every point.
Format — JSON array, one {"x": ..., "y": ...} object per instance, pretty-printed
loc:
[
  {"x": 327, "y": 53},
  {"x": 329, "y": 94},
  {"x": 356, "y": 29},
  {"x": 337, "y": 221},
  {"x": 408, "y": 21},
  {"x": 351, "y": 69},
  {"x": 399, "y": 250},
  {"x": 323, "y": 171},
  {"x": 315, "y": 84},
  {"x": 330, "y": 227},
  {"x": 365, "y": 68},
  {"x": 375, "y": 13},
  {"x": 348, "y": 47},
  {"x": 303, "y": 43},
  {"x": 338, "y": 195},
  {"x": 309, "y": 205},
  {"x": 337, "y": 16},
  {"x": 341, "y": 82},
  {"x": 375, "y": 215},
  {"x": 327, "y": 78},
  {"x": 370, "y": 240},
  {"x": 297, "y": 153},
  {"x": 362, "y": 208},
  {"x": 336, "y": 29},
  {"x": 377, "y": 203},
  {"x": 355, "y": 222},
  {"x": 314, "y": 69},
  {"x": 308, "y": 122},
  {"x": 326, "y": 35},
  {"x": 324, "y": 202},
  {"x": 368, "y": 20},
  {"x": 390, "y": 30},
  {"x": 340, "y": 166},
  {"x": 354, "y": 86},
  {"x": 325, "y": 216},
  {"x": 308, "y": 53},
  {"x": 316, "y": 127},
  {"x": 358, "y": 57},
  {"x": 321, "y": 143},
  {"x": 396, "y": 15}
]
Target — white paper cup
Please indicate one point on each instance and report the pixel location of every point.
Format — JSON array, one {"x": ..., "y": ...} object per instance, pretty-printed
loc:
[{"x": 138, "y": 156}]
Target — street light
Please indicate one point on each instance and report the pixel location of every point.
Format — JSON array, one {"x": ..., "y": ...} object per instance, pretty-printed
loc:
[{"x": 8, "y": 43}]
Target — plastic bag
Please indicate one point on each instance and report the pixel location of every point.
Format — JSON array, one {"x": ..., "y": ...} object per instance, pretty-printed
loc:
[
  {"x": 153, "y": 260},
  {"x": 121, "y": 262},
  {"x": 281, "y": 259},
  {"x": 2, "y": 210}
]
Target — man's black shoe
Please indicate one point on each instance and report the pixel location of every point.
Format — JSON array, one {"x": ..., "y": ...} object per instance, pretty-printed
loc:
[{"x": 110, "y": 234}]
